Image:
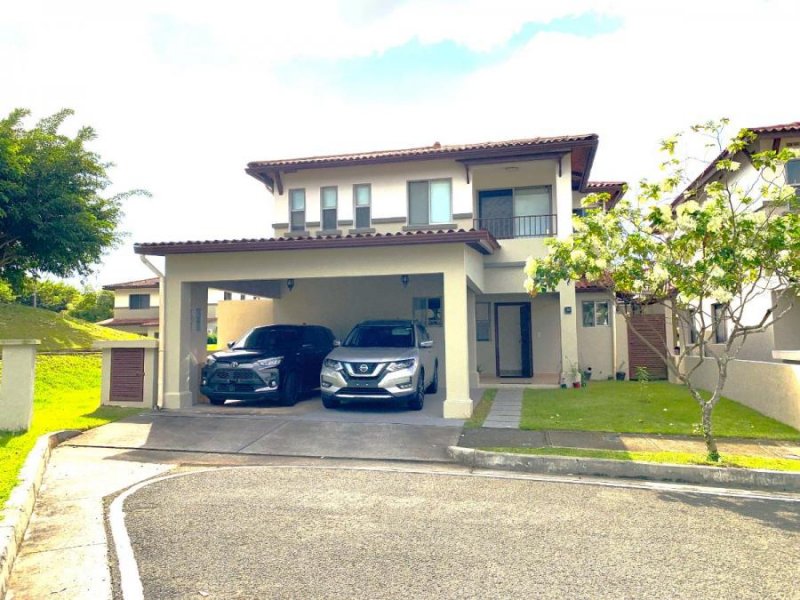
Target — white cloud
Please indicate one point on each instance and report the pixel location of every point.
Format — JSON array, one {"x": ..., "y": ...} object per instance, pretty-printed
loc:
[{"x": 184, "y": 94}]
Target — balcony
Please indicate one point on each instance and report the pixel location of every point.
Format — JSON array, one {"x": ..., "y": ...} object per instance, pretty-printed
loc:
[{"x": 506, "y": 228}]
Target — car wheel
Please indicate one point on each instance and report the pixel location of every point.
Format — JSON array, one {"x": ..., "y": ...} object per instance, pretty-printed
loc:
[
  {"x": 418, "y": 399},
  {"x": 290, "y": 390},
  {"x": 216, "y": 400},
  {"x": 330, "y": 402},
  {"x": 434, "y": 386}
]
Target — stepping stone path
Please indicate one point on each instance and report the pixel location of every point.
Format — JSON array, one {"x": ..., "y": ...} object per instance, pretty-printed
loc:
[{"x": 506, "y": 410}]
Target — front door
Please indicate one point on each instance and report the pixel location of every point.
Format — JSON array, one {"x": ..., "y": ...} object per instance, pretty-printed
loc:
[{"x": 513, "y": 339}]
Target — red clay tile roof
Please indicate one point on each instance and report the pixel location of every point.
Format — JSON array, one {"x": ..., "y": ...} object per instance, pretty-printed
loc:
[
  {"x": 131, "y": 285},
  {"x": 784, "y": 128},
  {"x": 614, "y": 188},
  {"x": 483, "y": 241},
  {"x": 710, "y": 169},
  {"x": 129, "y": 322},
  {"x": 584, "y": 285},
  {"x": 433, "y": 151}
]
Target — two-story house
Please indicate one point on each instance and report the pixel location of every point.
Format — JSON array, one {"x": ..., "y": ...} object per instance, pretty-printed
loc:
[
  {"x": 137, "y": 306},
  {"x": 437, "y": 233},
  {"x": 782, "y": 340}
]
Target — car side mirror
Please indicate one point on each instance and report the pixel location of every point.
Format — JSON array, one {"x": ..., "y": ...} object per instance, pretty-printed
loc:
[
  {"x": 426, "y": 344},
  {"x": 336, "y": 343},
  {"x": 230, "y": 344}
]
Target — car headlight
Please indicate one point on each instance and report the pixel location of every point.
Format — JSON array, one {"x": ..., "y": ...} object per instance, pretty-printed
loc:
[
  {"x": 333, "y": 364},
  {"x": 210, "y": 361},
  {"x": 268, "y": 363},
  {"x": 400, "y": 365}
]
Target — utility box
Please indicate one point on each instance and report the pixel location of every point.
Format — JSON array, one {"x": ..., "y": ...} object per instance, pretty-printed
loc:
[{"x": 130, "y": 372}]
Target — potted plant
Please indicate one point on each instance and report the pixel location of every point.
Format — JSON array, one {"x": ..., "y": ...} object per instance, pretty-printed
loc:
[
  {"x": 586, "y": 375},
  {"x": 563, "y": 380},
  {"x": 621, "y": 371},
  {"x": 575, "y": 371}
]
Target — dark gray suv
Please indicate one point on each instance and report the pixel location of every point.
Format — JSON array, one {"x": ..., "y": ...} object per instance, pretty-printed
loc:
[{"x": 381, "y": 360}]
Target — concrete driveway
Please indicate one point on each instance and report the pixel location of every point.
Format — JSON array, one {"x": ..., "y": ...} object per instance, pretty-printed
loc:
[{"x": 366, "y": 431}]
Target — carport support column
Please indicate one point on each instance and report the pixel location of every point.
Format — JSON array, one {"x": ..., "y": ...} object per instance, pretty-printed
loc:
[
  {"x": 185, "y": 336},
  {"x": 457, "y": 404}
]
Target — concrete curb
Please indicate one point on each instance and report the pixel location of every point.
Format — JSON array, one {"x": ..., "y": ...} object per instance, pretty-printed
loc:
[
  {"x": 15, "y": 516},
  {"x": 775, "y": 481}
]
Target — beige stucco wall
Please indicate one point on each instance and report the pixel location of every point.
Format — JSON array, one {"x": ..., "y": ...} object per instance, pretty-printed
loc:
[
  {"x": 236, "y": 317},
  {"x": 389, "y": 189},
  {"x": 595, "y": 344},
  {"x": 787, "y": 330},
  {"x": 770, "y": 388},
  {"x": 545, "y": 333},
  {"x": 17, "y": 384}
]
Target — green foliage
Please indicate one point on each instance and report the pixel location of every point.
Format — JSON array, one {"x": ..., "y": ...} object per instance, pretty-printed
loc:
[
  {"x": 211, "y": 340},
  {"x": 49, "y": 295},
  {"x": 93, "y": 306},
  {"x": 482, "y": 410},
  {"x": 54, "y": 217},
  {"x": 615, "y": 406},
  {"x": 67, "y": 396},
  {"x": 733, "y": 239},
  {"x": 6, "y": 292},
  {"x": 56, "y": 332}
]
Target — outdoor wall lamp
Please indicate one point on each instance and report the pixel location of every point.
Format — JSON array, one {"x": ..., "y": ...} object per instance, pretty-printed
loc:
[
  {"x": 404, "y": 280},
  {"x": 290, "y": 284}
]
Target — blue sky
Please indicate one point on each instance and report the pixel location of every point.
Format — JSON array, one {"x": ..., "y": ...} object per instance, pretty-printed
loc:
[
  {"x": 183, "y": 94},
  {"x": 415, "y": 69}
]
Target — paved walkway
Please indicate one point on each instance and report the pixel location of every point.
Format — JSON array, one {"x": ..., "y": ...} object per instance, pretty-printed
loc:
[{"x": 506, "y": 410}]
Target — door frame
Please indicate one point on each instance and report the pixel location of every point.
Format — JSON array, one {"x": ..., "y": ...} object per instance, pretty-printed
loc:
[{"x": 527, "y": 369}]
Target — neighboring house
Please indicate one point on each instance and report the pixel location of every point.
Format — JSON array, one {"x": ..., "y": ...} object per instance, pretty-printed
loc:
[
  {"x": 772, "y": 344},
  {"x": 437, "y": 233},
  {"x": 136, "y": 306}
]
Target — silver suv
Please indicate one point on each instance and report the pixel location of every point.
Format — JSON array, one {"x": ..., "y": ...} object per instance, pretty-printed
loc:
[{"x": 381, "y": 360}]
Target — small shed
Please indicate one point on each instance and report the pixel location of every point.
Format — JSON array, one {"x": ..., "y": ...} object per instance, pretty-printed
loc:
[{"x": 130, "y": 372}]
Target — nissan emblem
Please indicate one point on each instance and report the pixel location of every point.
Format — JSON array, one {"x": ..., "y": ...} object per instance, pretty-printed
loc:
[{"x": 363, "y": 368}]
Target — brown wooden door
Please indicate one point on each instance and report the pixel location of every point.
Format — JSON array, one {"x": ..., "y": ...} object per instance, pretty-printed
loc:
[
  {"x": 127, "y": 375},
  {"x": 653, "y": 329}
]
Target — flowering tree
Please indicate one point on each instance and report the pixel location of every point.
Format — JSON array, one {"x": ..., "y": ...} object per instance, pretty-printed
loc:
[{"x": 732, "y": 243}]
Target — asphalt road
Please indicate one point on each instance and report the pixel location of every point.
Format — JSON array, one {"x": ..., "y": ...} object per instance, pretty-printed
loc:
[{"x": 267, "y": 532}]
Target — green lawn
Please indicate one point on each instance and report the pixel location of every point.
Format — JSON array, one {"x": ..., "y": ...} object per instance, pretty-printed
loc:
[
  {"x": 55, "y": 331},
  {"x": 630, "y": 407},
  {"x": 67, "y": 397},
  {"x": 481, "y": 410},
  {"x": 674, "y": 458}
]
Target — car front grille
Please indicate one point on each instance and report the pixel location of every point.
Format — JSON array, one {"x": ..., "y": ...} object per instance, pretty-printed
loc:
[
  {"x": 235, "y": 376},
  {"x": 363, "y": 369}
]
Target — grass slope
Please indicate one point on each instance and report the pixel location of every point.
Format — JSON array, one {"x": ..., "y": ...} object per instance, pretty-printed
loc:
[
  {"x": 67, "y": 396},
  {"x": 630, "y": 407},
  {"x": 56, "y": 331}
]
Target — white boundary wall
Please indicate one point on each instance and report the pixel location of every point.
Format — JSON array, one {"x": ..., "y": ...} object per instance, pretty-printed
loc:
[{"x": 770, "y": 388}]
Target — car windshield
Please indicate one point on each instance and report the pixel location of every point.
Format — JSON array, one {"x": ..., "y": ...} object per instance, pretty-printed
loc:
[
  {"x": 381, "y": 336},
  {"x": 268, "y": 338}
]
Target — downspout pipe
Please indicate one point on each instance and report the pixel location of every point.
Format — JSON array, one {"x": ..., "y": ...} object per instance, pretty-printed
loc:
[{"x": 162, "y": 340}]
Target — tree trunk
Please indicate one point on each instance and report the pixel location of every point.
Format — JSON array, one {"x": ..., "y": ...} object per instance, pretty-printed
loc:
[{"x": 708, "y": 435}]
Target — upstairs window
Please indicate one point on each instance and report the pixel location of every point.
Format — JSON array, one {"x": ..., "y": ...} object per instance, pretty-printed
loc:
[
  {"x": 137, "y": 301},
  {"x": 297, "y": 210},
  {"x": 429, "y": 202},
  {"x": 362, "y": 199},
  {"x": 328, "y": 201},
  {"x": 227, "y": 296}
]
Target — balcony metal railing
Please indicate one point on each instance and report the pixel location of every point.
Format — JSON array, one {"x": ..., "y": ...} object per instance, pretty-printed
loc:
[{"x": 518, "y": 227}]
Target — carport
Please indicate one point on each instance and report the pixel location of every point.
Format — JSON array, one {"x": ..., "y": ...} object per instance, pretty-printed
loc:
[{"x": 333, "y": 281}]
